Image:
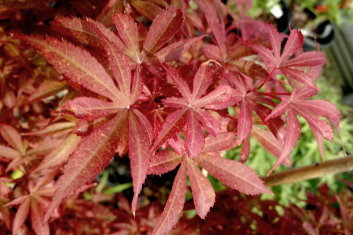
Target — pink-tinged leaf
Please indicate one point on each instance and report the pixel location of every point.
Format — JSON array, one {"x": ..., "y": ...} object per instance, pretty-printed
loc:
[
  {"x": 245, "y": 150},
  {"x": 317, "y": 125},
  {"x": 172, "y": 125},
  {"x": 203, "y": 79},
  {"x": 202, "y": 190},
  {"x": 266, "y": 54},
  {"x": 244, "y": 121},
  {"x": 75, "y": 28},
  {"x": 322, "y": 108},
  {"x": 174, "y": 102},
  {"x": 139, "y": 154},
  {"x": 311, "y": 58},
  {"x": 21, "y": 215},
  {"x": 233, "y": 174},
  {"x": 52, "y": 128},
  {"x": 76, "y": 64},
  {"x": 163, "y": 162},
  {"x": 276, "y": 39},
  {"x": 12, "y": 137},
  {"x": 128, "y": 32},
  {"x": 8, "y": 153},
  {"x": 299, "y": 75},
  {"x": 88, "y": 108},
  {"x": 117, "y": 60},
  {"x": 113, "y": 6},
  {"x": 195, "y": 140},
  {"x": 220, "y": 98},
  {"x": 180, "y": 83},
  {"x": 249, "y": 68},
  {"x": 222, "y": 141},
  {"x": 279, "y": 110},
  {"x": 145, "y": 124},
  {"x": 163, "y": 28},
  {"x": 37, "y": 215},
  {"x": 211, "y": 124},
  {"x": 217, "y": 27},
  {"x": 269, "y": 142},
  {"x": 292, "y": 135},
  {"x": 46, "y": 89},
  {"x": 274, "y": 124},
  {"x": 294, "y": 43},
  {"x": 213, "y": 52},
  {"x": 177, "y": 144},
  {"x": 146, "y": 8},
  {"x": 175, "y": 204},
  {"x": 89, "y": 159},
  {"x": 305, "y": 92},
  {"x": 136, "y": 86},
  {"x": 175, "y": 50},
  {"x": 60, "y": 154}
]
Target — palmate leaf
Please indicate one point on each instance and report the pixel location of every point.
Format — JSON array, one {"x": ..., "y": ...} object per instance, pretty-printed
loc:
[
  {"x": 132, "y": 125},
  {"x": 12, "y": 137},
  {"x": 310, "y": 110},
  {"x": 282, "y": 62},
  {"x": 91, "y": 156},
  {"x": 191, "y": 109}
]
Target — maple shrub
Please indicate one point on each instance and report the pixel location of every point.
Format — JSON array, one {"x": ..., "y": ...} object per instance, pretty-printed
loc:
[{"x": 173, "y": 86}]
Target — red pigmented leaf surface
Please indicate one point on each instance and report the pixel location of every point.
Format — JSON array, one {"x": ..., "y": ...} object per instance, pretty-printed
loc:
[
  {"x": 46, "y": 89},
  {"x": 145, "y": 89},
  {"x": 60, "y": 154},
  {"x": 292, "y": 68},
  {"x": 192, "y": 106},
  {"x": 11, "y": 135},
  {"x": 139, "y": 150},
  {"x": 175, "y": 203},
  {"x": 298, "y": 103},
  {"x": 163, "y": 162},
  {"x": 290, "y": 140},
  {"x": 88, "y": 108},
  {"x": 202, "y": 190},
  {"x": 128, "y": 32},
  {"x": 89, "y": 159},
  {"x": 163, "y": 28},
  {"x": 75, "y": 63},
  {"x": 233, "y": 174}
]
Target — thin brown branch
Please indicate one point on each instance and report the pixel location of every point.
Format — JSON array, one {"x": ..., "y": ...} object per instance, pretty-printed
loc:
[{"x": 309, "y": 172}]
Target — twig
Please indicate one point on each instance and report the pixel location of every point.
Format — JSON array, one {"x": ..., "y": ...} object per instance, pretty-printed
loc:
[{"x": 309, "y": 172}]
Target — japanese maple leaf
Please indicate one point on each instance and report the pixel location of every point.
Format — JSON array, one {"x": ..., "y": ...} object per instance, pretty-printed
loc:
[
  {"x": 292, "y": 68},
  {"x": 162, "y": 30},
  {"x": 249, "y": 100},
  {"x": 233, "y": 174},
  {"x": 34, "y": 204},
  {"x": 231, "y": 58},
  {"x": 310, "y": 110},
  {"x": 18, "y": 151},
  {"x": 191, "y": 109},
  {"x": 124, "y": 125}
]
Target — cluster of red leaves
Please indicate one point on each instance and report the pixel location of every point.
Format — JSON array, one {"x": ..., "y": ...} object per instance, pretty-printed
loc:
[{"x": 168, "y": 84}]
